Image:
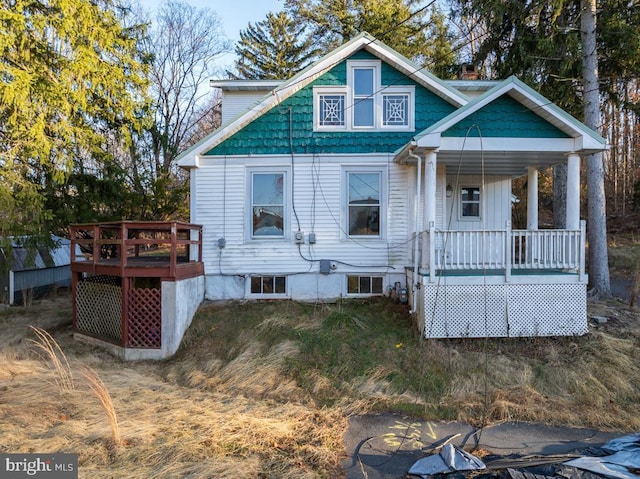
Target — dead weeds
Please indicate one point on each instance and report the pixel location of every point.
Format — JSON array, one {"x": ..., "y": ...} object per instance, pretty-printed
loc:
[{"x": 265, "y": 389}]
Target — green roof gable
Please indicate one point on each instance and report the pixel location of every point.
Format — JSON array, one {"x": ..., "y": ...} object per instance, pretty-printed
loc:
[
  {"x": 507, "y": 118},
  {"x": 269, "y": 133}
]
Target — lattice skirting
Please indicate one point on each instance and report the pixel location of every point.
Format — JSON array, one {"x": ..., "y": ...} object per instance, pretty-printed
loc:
[
  {"x": 504, "y": 310},
  {"x": 99, "y": 309},
  {"x": 99, "y": 312},
  {"x": 145, "y": 318}
]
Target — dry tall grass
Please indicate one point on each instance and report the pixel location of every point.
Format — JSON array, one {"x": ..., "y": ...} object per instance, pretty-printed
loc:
[{"x": 264, "y": 390}]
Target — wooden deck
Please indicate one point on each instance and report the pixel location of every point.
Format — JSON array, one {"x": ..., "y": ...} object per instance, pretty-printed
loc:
[{"x": 166, "y": 250}]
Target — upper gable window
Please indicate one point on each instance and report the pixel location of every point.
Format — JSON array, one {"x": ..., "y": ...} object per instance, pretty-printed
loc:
[
  {"x": 363, "y": 96},
  {"x": 364, "y": 104}
]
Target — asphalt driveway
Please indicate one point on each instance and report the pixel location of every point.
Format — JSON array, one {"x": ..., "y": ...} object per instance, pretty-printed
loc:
[{"x": 385, "y": 446}]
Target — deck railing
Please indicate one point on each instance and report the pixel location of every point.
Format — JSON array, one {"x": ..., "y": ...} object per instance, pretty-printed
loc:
[
  {"x": 504, "y": 250},
  {"x": 128, "y": 244}
]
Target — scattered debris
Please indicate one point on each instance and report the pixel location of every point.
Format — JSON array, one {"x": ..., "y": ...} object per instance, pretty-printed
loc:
[
  {"x": 618, "y": 459},
  {"x": 600, "y": 319},
  {"x": 450, "y": 459}
]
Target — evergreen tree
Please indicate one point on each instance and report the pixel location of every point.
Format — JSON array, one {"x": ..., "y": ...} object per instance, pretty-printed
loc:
[
  {"x": 70, "y": 76},
  {"x": 275, "y": 48},
  {"x": 555, "y": 46},
  {"x": 401, "y": 24}
]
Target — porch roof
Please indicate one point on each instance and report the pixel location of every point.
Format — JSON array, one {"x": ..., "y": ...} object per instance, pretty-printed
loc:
[{"x": 509, "y": 152}]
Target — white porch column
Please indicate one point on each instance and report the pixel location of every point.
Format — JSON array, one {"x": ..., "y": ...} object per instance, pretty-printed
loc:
[
  {"x": 532, "y": 198},
  {"x": 573, "y": 192},
  {"x": 430, "y": 188}
]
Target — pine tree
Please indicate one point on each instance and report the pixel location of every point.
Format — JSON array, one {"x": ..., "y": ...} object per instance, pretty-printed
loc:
[
  {"x": 70, "y": 76},
  {"x": 275, "y": 48},
  {"x": 400, "y": 24},
  {"x": 555, "y": 46}
]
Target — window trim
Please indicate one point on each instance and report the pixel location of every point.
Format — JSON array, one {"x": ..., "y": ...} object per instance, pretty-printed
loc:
[
  {"x": 462, "y": 217},
  {"x": 268, "y": 295},
  {"x": 379, "y": 92},
  {"x": 397, "y": 91},
  {"x": 318, "y": 92},
  {"x": 360, "y": 294},
  {"x": 382, "y": 219},
  {"x": 286, "y": 206},
  {"x": 352, "y": 66}
]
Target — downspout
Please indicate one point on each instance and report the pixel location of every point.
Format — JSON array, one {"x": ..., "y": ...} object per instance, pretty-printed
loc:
[{"x": 416, "y": 283}]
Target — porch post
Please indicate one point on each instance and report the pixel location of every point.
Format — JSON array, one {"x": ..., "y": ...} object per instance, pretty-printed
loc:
[
  {"x": 532, "y": 198},
  {"x": 430, "y": 164},
  {"x": 430, "y": 187},
  {"x": 573, "y": 192}
]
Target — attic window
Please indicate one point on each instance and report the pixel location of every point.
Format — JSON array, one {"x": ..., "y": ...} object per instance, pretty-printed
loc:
[
  {"x": 331, "y": 110},
  {"x": 364, "y": 103}
]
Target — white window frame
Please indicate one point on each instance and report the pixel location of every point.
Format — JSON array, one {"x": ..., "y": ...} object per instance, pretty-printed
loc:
[
  {"x": 318, "y": 93},
  {"x": 361, "y": 294},
  {"x": 375, "y": 66},
  {"x": 398, "y": 91},
  {"x": 286, "y": 207},
  {"x": 461, "y": 217},
  {"x": 249, "y": 292},
  {"x": 379, "y": 93},
  {"x": 382, "y": 219}
]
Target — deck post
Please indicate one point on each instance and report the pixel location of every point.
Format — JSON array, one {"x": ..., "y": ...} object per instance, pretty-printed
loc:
[
  {"x": 174, "y": 250},
  {"x": 96, "y": 244},
  {"x": 124, "y": 234}
]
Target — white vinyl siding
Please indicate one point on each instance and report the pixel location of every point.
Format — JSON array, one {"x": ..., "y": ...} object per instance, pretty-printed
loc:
[
  {"x": 318, "y": 199},
  {"x": 237, "y": 102},
  {"x": 495, "y": 203}
]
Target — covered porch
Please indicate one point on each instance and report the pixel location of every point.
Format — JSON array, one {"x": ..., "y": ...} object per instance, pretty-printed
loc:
[
  {"x": 484, "y": 278},
  {"x": 505, "y": 252},
  {"x": 472, "y": 274}
]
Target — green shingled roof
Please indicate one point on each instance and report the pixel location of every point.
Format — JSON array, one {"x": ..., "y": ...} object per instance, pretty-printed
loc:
[
  {"x": 269, "y": 133},
  {"x": 507, "y": 118}
]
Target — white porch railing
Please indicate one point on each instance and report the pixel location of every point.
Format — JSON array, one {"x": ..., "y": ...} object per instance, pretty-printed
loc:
[{"x": 506, "y": 250}]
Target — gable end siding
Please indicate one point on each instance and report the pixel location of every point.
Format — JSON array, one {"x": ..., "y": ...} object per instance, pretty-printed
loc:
[
  {"x": 269, "y": 134},
  {"x": 507, "y": 118}
]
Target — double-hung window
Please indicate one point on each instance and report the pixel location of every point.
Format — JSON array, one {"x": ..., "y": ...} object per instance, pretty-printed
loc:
[
  {"x": 364, "y": 103},
  {"x": 364, "y": 202},
  {"x": 267, "y": 197},
  {"x": 363, "y": 84}
]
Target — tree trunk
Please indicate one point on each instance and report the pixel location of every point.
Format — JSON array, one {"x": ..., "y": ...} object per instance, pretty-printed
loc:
[
  {"x": 597, "y": 212},
  {"x": 560, "y": 196}
]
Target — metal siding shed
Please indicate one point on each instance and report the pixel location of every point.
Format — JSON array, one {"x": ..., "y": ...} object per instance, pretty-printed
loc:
[{"x": 34, "y": 270}]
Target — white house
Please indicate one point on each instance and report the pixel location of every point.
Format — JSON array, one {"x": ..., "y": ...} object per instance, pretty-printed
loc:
[{"x": 365, "y": 172}]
